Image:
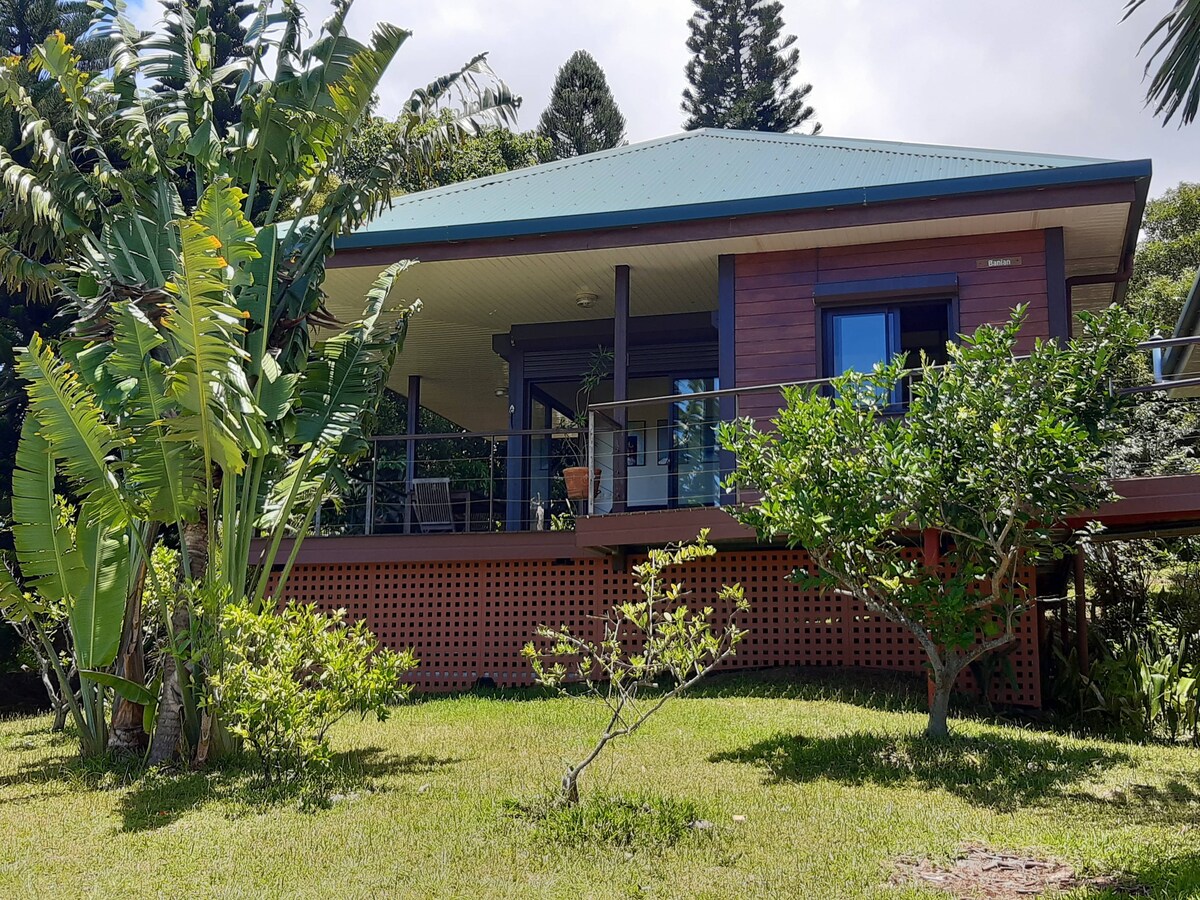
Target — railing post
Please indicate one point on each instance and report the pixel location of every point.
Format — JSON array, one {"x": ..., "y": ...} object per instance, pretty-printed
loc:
[
  {"x": 1156, "y": 358},
  {"x": 591, "y": 462},
  {"x": 369, "y": 511}
]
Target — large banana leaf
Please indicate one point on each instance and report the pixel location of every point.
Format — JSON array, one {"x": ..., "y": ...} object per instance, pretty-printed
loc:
[
  {"x": 46, "y": 549},
  {"x": 96, "y": 604},
  {"x": 71, "y": 422},
  {"x": 347, "y": 372},
  {"x": 169, "y": 475},
  {"x": 207, "y": 380}
]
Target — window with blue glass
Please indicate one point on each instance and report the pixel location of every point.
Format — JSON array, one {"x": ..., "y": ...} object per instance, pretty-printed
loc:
[{"x": 857, "y": 338}]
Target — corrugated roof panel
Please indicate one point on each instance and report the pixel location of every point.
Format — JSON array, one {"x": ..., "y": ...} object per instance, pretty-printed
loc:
[{"x": 694, "y": 169}]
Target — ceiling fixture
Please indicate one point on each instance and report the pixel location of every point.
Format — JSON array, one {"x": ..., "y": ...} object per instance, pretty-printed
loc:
[
  {"x": 586, "y": 299},
  {"x": 501, "y": 392}
]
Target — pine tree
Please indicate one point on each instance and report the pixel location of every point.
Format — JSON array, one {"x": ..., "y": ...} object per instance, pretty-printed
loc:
[
  {"x": 582, "y": 116},
  {"x": 742, "y": 73}
]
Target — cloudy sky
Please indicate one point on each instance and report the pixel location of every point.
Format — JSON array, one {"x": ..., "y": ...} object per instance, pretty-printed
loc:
[{"x": 1056, "y": 76}]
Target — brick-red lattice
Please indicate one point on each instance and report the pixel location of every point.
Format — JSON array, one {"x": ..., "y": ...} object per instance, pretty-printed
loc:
[{"x": 469, "y": 620}]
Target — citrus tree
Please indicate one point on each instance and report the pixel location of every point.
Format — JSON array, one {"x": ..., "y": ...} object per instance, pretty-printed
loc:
[
  {"x": 192, "y": 396},
  {"x": 995, "y": 450}
]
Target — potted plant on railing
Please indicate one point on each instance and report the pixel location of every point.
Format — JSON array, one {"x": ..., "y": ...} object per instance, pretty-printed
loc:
[{"x": 576, "y": 476}]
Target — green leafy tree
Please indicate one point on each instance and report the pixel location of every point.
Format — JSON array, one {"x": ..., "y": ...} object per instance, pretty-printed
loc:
[
  {"x": 582, "y": 115},
  {"x": 995, "y": 450},
  {"x": 490, "y": 152},
  {"x": 193, "y": 396},
  {"x": 742, "y": 73},
  {"x": 645, "y": 642},
  {"x": 1175, "y": 42}
]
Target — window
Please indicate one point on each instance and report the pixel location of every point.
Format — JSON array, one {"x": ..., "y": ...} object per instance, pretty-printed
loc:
[{"x": 858, "y": 338}]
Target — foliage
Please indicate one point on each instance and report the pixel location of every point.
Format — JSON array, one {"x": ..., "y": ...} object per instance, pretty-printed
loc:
[
  {"x": 1175, "y": 86},
  {"x": 582, "y": 115},
  {"x": 995, "y": 449},
  {"x": 639, "y": 822},
  {"x": 193, "y": 396},
  {"x": 645, "y": 641},
  {"x": 742, "y": 73},
  {"x": 286, "y": 677},
  {"x": 1141, "y": 686},
  {"x": 488, "y": 152},
  {"x": 599, "y": 368}
]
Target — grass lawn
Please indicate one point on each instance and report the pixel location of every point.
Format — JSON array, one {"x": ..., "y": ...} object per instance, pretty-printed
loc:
[{"x": 832, "y": 782}]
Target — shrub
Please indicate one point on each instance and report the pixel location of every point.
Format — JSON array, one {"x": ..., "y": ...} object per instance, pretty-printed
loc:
[
  {"x": 287, "y": 676},
  {"x": 645, "y": 640}
]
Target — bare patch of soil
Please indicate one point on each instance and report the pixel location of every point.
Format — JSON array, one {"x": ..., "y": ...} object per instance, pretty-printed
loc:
[{"x": 981, "y": 874}]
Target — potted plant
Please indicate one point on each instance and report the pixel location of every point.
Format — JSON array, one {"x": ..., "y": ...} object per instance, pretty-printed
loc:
[{"x": 576, "y": 476}]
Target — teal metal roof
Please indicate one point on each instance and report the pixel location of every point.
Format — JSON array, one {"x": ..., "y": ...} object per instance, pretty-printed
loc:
[{"x": 711, "y": 173}]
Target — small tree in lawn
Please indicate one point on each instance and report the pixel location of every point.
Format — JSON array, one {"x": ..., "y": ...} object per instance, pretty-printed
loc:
[
  {"x": 995, "y": 451},
  {"x": 645, "y": 641}
]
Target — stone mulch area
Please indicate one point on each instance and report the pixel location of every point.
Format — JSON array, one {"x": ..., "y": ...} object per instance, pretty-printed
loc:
[{"x": 981, "y": 874}]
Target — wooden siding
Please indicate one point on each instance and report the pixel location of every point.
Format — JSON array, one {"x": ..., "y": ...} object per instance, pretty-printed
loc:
[{"x": 778, "y": 333}]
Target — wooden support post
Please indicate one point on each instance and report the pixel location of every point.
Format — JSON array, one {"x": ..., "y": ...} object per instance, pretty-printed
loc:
[
  {"x": 620, "y": 387},
  {"x": 412, "y": 428},
  {"x": 1081, "y": 622},
  {"x": 726, "y": 350},
  {"x": 518, "y": 405}
]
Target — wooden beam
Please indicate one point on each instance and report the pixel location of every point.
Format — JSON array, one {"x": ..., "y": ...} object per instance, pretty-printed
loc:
[{"x": 620, "y": 386}]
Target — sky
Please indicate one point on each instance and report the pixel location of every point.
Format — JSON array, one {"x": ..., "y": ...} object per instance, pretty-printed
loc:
[{"x": 1050, "y": 76}]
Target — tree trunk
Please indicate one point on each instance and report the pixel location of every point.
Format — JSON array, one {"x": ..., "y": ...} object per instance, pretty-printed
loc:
[
  {"x": 168, "y": 732},
  {"x": 127, "y": 734},
  {"x": 939, "y": 709}
]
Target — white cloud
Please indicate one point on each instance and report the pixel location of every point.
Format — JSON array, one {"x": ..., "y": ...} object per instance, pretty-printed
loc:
[{"x": 1055, "y": 76}]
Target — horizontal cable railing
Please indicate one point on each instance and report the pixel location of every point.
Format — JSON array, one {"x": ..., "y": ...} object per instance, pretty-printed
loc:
[
  {"x": 454, "y": 482},
  {"x": 645, "y": 453}
]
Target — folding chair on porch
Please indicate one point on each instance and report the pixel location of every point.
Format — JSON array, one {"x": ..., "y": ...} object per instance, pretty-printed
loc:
[{"x": 431, "y": 504}]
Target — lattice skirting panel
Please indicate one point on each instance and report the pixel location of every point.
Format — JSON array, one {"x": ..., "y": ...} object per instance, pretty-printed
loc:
[{"x": 468, "y": 621}]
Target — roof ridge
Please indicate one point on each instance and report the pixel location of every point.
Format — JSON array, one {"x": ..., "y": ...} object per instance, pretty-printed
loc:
[{"x": 922, "y": 150}]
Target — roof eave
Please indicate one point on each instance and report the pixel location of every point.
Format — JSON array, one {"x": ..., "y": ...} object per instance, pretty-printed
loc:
[{"x": 1132, "y": 170}]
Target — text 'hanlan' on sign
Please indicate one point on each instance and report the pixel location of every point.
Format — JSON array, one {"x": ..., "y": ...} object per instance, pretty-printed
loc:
[{"x": 998, "y": 262}]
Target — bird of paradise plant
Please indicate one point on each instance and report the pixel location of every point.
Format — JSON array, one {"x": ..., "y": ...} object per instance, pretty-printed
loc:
[{"x": 192, "y": 397}]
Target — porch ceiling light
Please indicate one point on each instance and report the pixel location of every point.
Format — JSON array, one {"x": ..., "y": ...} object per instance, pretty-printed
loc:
[
  {"x": 501, "y": 391},
  {"x": 586, "y": 299}
]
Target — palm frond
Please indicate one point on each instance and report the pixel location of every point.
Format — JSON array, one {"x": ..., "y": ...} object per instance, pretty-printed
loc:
[{"x": 1175, "y": 84}]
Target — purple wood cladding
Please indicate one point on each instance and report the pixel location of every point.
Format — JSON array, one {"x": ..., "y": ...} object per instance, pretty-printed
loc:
[{"x": 778, "y": 333}]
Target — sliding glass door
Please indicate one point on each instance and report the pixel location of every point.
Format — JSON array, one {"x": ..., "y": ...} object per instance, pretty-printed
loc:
[{"x": 695, "y": 471}]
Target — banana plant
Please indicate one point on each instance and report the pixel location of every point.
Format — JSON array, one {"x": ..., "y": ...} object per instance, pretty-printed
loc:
[{"x": 194, "y": 397}]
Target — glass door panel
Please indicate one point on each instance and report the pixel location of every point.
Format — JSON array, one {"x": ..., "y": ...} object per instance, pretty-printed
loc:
[{"x": 695, "y": 471}]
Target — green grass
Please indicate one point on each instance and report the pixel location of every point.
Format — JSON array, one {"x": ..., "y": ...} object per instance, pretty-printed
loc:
[{"x": 436, "y": 802}]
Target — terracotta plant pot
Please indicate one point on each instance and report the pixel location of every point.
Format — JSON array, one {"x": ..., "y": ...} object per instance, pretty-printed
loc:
[{"x": 576, "y": 478}]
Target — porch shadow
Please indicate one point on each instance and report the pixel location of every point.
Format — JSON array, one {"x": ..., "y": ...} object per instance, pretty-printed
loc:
[
  {"x": 162, "y": 798},
  {"x": 1000, "y": 773}
]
